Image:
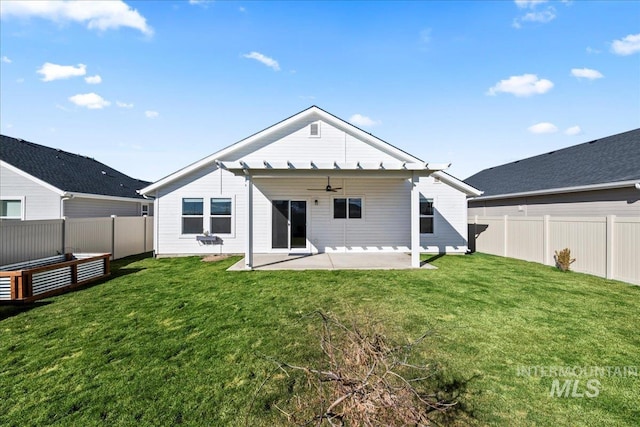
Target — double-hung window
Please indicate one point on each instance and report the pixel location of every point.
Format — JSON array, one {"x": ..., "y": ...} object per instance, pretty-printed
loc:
[
  {"x": 221, "y": 214},
  {"x": 426, "y": 215},
  {"x": 349, "y": 207},
  {"x": 192, "y": 215},
  {"x": 11, "y": 209}
]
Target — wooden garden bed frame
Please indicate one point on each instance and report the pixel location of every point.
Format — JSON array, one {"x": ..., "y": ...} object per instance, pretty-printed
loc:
[{"x": 30, "y": 281}]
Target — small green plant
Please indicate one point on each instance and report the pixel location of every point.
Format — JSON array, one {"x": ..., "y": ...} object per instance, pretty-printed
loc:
[{"x": 563, "y": 259}]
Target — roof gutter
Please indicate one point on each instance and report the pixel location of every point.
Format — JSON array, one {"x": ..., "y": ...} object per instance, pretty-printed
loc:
[{"x": 576, "y": 189}]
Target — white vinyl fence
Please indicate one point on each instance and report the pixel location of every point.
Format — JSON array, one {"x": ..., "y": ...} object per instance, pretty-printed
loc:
[
  {"x": 603, "y": 246},
  {"x": 120, "y": 236}
]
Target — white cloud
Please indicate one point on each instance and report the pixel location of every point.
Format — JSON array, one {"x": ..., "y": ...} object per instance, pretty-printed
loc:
[
  {"x": 91, "y": 101},
  {"x": 523, "y": 4},
  {"x": 269, "y": 62},
  {"x": 425, "y": 36},
  {"x": 123, "y": 104},
  {"x": 58, "y": 72},
  {"x": 151, "y": 114},
  {"x": 97, "y": 15},
  {"x": 360, "y": 120},
  {"x": 573, "y": 130},
  {"x": 543, "y": 127},
  {"x": 627, "y": 45},
  {"x": 586, "y": 73},
  {"x": 545, "y": 16},
  {"x": 591, "y": 50},
  {"x": 6, "y": 60},
  {"x": 93, "y": 80},
  {"x": 242, "y": 9},
  {"x": 524, "y": 85}
]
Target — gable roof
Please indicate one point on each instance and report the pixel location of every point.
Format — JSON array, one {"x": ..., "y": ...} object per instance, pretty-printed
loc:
[
  {"x": 607, "y": 162},
  {"x": 405, "y": 160},
  {"x": 67, "y": 172}
]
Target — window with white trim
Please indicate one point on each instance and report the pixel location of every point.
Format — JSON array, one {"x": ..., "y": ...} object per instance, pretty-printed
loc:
[
  {"x": 144, "y": 210},
  {"x": 192, "y": 215},
  {"x": 347, "y": 208},
  {"x": 11, "y": 209},
  {"x": 426, "y": 215},
  {"x": 221, "y": 216}
]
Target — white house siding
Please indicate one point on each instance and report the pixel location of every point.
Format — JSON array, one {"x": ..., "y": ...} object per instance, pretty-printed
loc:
[
  {"x": 79, "y": 207},
  {"x": 206, "y": 183},
  {"x": 385, "y": 226},
  {"x": 294, "y": 143},
  {"x": 620, "y": 202},
  {"x": 450, "y": 218},
  {"x": 40, "y": 202}
]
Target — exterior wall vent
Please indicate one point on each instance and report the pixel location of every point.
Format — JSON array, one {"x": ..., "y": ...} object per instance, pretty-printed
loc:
[{"x": 314, "y": 129}]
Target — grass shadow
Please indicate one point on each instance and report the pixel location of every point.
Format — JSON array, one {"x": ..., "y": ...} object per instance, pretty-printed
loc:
[{"x": 16, "y": 308}]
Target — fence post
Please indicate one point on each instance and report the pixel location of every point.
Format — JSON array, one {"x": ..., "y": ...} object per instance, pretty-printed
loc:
[
  {"x": 546, "y": 241},
  {"x": 144, "y": 233},
  {"x": 506, "y": 229},
  {"x": 113, "y": 236},
  {"x": 609, "y": 246},
  {"x": 64, "y": 234}
]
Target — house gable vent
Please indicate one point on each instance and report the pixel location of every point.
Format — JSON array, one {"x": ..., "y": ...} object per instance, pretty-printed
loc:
[{"x": 314, "y": 129}]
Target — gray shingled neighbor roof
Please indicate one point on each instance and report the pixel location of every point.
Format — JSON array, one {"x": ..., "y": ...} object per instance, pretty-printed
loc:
[
  {"x": 612, "y": 159},
  {"x": 66, "y": 171}
]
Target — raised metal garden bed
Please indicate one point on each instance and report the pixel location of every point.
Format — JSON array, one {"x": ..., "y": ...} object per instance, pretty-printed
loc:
[{"x": 33, "y": 280}]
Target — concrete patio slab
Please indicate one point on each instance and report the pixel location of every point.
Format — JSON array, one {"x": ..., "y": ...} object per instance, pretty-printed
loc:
[{"x": 326, "y": 261}]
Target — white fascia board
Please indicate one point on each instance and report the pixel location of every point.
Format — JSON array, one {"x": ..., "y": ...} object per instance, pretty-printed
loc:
[
  {"x": 458, "y": 184},
  {"x": 576, "y": 189},
  {"x": 31, "y": 177},
  {"x": 103, "y": 197}
]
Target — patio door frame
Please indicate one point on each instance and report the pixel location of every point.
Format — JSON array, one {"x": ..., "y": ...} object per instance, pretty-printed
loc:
[{"x": 289, "y": 249}]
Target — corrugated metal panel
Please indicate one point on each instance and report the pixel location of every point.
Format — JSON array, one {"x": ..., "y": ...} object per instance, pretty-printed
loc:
[
  {"x": 585, "y": 237},
  {"x": 26, "y": 240},
  {"x": 50, "y": 280},
  {"x": 33, "y": 264},
  {"x": 5, "y": 288},
  {"x": 626, "y": 250},
  {"x": 90, "y": 269},
  {"x": 525, "y": 238}
]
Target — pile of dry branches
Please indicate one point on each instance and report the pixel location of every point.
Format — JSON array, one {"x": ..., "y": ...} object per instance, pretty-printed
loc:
[{"x": 366, "y": 381}]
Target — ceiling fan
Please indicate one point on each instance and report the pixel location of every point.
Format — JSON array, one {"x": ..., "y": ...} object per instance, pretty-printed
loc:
[{"x": 327, "y": 188}]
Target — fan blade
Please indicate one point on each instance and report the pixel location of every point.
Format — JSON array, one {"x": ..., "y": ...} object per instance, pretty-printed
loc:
[
  {"x": 316, "y": 189},
  {"x": 336, "y": 188}
]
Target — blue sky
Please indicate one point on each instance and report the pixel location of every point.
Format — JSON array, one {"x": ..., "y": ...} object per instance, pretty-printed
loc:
[{"x": 149, "y": 87}]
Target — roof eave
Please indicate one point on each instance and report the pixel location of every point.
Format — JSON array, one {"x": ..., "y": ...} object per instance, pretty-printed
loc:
[{"x": 592, "y": 187}]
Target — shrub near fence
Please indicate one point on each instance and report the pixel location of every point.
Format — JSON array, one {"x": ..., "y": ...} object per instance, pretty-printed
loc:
[
  {"x": 603, "y": 246},
  {"x": 120, "y": 236}
]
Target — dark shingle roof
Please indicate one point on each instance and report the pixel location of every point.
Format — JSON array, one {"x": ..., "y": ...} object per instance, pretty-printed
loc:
[
  {"x": 66, "y": 171},
  {"x": 611, "y": 159}
]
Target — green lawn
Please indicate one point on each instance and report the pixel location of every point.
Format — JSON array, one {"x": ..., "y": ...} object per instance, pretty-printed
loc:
[{"x": 179, "y": 341}]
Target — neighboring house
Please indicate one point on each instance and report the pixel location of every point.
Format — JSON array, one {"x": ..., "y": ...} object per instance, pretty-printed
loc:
[
  {"x": 311, "y": 183},
  {"x": 597, "y": 178},
  {"x": 38, "y": 182}
]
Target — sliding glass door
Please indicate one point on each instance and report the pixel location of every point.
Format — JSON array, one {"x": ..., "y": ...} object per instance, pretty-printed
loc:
[{"x": 289, "y": 224}]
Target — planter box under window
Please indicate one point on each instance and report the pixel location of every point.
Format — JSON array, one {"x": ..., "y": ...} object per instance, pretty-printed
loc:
[{"x": 33, "y": 280}]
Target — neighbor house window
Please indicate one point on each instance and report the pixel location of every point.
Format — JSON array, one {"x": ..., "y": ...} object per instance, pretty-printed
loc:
[
  {"x": 11, "y": 209},
  {"x": 220, "y": 216},
  {"x": 349, "y": 207},
  {"x": 145, "y": 210},
  {"x": 192, "y": 216},
  {"x": 426, "y": 215}
]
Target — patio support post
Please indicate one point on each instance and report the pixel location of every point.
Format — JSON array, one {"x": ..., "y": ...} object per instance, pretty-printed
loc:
[
  {"x": 415, "y": 221},
  {"x": 248, "y": 243}
]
